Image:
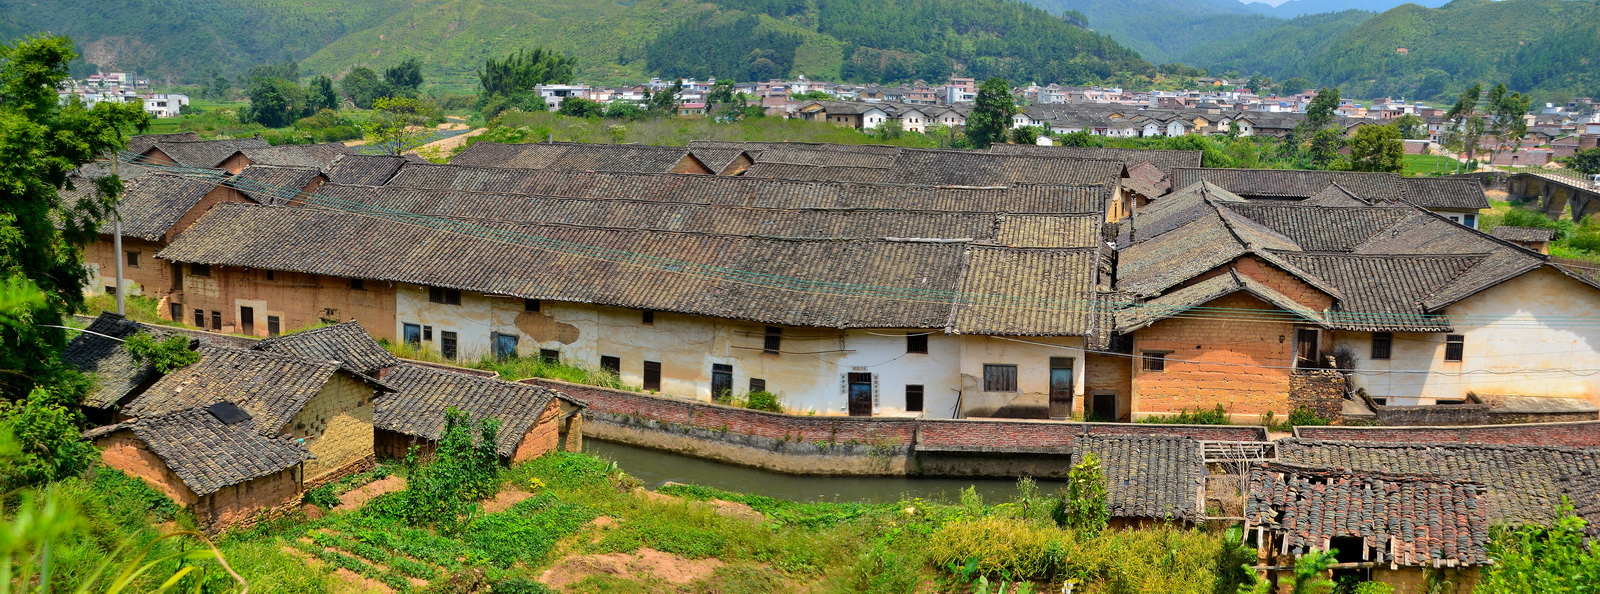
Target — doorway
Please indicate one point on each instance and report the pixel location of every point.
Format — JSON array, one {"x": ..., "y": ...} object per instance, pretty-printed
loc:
[
  {"x": 1306, "y": 347},
  {"x": 860, "y": 394},
  {"x": 721, "y": 382},
  {"x": 177, "y": 277},
  {"x": 1104, "y": 408},
  {"x": 247, "y": 320},
  {"x": 1060, "y": 387}
]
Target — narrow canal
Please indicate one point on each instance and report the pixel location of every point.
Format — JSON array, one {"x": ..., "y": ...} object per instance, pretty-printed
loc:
[{"x": 655, "y": 467}]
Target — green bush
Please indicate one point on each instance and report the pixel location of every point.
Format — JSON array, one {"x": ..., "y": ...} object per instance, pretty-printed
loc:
[
  {"x": 526, "y": 532},
  {"x": 465, "y": 468},
  {"x": 1085, "y": 502},
  {"x": 322, "y": 497},
  {"x": 1216, "y": 416},
  {"x": 1000, "y": 546},
  {"x": 763, "y": 400}
]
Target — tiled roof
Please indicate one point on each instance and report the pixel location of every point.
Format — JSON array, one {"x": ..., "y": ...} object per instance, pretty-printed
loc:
[
  {"x": 116, "y": 375},
  {"x": 758, "y": 192},
  {"x": 1147, "y": 180},
  {"x": 1524, "y": 483},
  {"x": 933, "y": 167},
  {"x": 315, "y": 156},
  {"x": 1523, "y": 234},
  {"x": 271, "y": 184},
  {"x": 423, "y": 394},
  {"x": 1402, "y": 519},
  {"x": 1164, "y": 160},
  {"x": 207, "y": 153},
  {"x": 716, "y": 159},
  {"x": 1151, "y": 266},
  {"x": 271, "y": 387},
  {"x": 208, "y": 454},
  {"x": 347, "y": 343},
  {"x": 1297, "y": 184},
  {"x": 1445, "y": 192},
  {"x": 1333, "y": 195},
  {"x": 1428, "y": 233},
  {"x": 1325, "y": 228},
  {"x": 569, "y": 156},
  {"x": 141, "y": 143},
  {"x": 1206, "y": 291},
  {"x": 838, "y": 173},
  {"x": 918, "y": 281},
  {"x": 153, "y": 203},
  {"x": 1031, "y": 292},
  {"x": 1387, "y": 291},
  {"x": 365, "y": 170},
  {"x": 1148, "y": 476},
  {"x": 1583, "y": 488}
]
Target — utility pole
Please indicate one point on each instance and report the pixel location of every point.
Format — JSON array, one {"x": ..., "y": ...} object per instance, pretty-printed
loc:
[{"x": 117, "y": 255}]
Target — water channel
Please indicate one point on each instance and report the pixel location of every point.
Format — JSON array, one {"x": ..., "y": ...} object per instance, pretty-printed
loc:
[{"x": 655, "y": 467}]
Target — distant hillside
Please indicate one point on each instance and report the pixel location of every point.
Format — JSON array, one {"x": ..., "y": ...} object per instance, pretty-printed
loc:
[
  {"x": 1165, "y": 30},
  {"x": 1548, "y": 47},
  {"x": 614, "y": 40},
  {"x": 1294, "y": 8}
]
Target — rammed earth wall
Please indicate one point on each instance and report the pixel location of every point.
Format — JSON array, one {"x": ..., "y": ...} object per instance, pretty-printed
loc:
[{"x": 852, "y": 445}]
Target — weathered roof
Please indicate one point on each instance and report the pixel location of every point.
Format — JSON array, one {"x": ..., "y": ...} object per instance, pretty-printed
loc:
[
  {"x": 1333, "y": 195},
  {"x": 1371, "y": 187},
  {"x": 423, "y": 394},
  {"x": 208, "y": 454},
  {"x": 1164, "y": 160},
  {"x": 206, "y": 153},
  {"x": 1147, "y": 180},
  {"x": 1148, "y": 476},
  {"x": 1384, "y": 293},
  {"x": 1198, "y": 294},
  {"x": 366, "y": 170},
  {"x": 572, "y": 156},
  {"x": 1324, "y": 228},
  {"x": 716, "y": 159},
  {"x": 878, "y": 164},
  {"x": 1523, "y": 234},
  {"x": 781, "y": 281},
  {"x": 1523, "y": 482},
  {"x": 758, "y": 192},
  {"x": 315, "y": 156},
  {"x": 1583, "y": 488},
  {"x": 142, "y": 142},
  {"x": 153, "y": 203},
  {"x": 271, "y": 387},
  {"x": 115, "y": 373},
  {"x": 348, "y": 343},
  {"x": 1403, "y": 519},
  {"x": 271, "y": 184}
]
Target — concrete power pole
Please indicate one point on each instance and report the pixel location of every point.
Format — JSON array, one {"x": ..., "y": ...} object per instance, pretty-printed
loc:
[{"x": 117, "y": 255}]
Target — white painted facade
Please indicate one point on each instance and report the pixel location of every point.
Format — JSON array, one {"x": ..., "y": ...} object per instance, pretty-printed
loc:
[
  {"x": 1532, "y": 322},
  {"x": 811, "y": 371}
]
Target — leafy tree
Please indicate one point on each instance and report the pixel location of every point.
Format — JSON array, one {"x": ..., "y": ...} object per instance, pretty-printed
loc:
[
  {"x": 665, "y": 101},
  {"x": 811, "y": 96},
  {"x": 50, "y": 445},
  {"x": 1080, "y": 138},
  {"x": 1261, "y": 84},
  {"x": 364, "y": 87},
  {"x": 1377, "y": 148},
  {"x": 401, "y": 123},
  {"x": 465, "y": 468},
  {"x": 1027, "y": 135},
  {"x": 1085, "y": 506},
  {"x": 289, "y": 71},
  {"x": 405, "y": 77},
  {"x": 1292, "y": 86},
  {"x": 1411, "y": 127},
  {"x": 1506, "y": 124},
  {"x": 1584, "y": 161},
  {"x": 890, "y": 129},
  {"x": 1320, "y": 114},
  {"x": 169, "y": 355},
  {"x": 580, "y": 108},
  {"x": 42, "y": 236},
  {"x": 275, "y": 102},
  {"x": 721, "y": 92},
  {"x": 518, "y": 73},
  {"x": 1555, "y": 560},
  {"x": 322, "y": 95},
  {"x": 1466, "y": 129},
  {"x": 623, "y": 110},
  {"x": 991, "y": 113},
  {"x": 528, "y": 101},
  {"x": 1323, "y": 149},
  {"x": 218, "y": 88}
]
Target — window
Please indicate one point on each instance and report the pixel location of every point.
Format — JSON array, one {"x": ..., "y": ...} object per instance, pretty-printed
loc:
[
  {"x": 649, "y": 317},
  {"x": 447, "y": 344},
  {"x": 1454, "y": 347},
  {"x": 111, "y": 290},
  {"x": 504, "y": 345},
  {"x": 271, "y": 276},
  {"x": 445, "y": 296},
  {"x": 427, "y": 333},
  {"x": 133, "y": 259},
  {"x": 1470, "y": 221},
  {"x": 773, "y": 341},
  {"x": 530, "y": 305},
  {"x": 917, "y": 343},
  {"x": 549, "y": 355},
  {"x": 1442, "y": 402},
  {"x": 411, "y": 333},
  {"x": 216, "y": 321},
  {"x": 999, "y": 378},
  {"x": 274, "y": 325},
  {"x": 914, "y": 398},
  {"x": 721, "y": 381},
  {"x": 612, "y": 365},
  {"x": 1382, "y": 344},
  {"x": 652, "y": 376},
  {"x": 1154, "y": 361},
  {"x": 757, "y": 385},
  {"x": 199, "y": 270},
  {"x": 200, "y": 318},
  {"x": 357, "y": 284}
]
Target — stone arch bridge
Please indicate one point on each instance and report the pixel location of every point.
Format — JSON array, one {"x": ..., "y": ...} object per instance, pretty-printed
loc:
[{"x": 1554, "y": 194}]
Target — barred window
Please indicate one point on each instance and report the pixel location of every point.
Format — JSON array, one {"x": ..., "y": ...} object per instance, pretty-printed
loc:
[
  {"x": 1382, "y": 344},
  {"x": 1454, "y": 347},
  {"x": 999, "y": 378}
]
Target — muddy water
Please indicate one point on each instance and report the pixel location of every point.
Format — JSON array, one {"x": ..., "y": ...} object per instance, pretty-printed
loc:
[{"x": 655, "y": 467}]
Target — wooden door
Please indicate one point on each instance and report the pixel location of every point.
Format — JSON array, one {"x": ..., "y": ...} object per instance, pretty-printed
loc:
[
  {"x": 1060, "y": 387},
  {"x": 860, "y": 394},
  {"x": 247, "y": 321},
  {"x": 1105, "y": 408}
]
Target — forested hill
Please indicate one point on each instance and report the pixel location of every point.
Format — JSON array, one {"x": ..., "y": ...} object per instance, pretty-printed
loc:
[
  {"x": 1294, "y": 8},
  {"x": 614, "y": 40},
  {"x": 1548, "y": 47},
  {"x": 1164, "y": 30}
]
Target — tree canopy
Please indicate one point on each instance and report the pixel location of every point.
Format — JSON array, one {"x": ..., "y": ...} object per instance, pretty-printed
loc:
[{"x": 991, "y": 113}]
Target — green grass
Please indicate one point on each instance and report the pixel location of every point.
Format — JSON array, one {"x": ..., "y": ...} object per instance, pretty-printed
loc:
[{"x": 1428, "y": 165}]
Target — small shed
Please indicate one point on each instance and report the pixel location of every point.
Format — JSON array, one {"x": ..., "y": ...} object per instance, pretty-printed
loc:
[
  {"x": 1149, "y": 478},
  {"x": 1533, "y": 238},
  {"x": 533, "y": 420}
]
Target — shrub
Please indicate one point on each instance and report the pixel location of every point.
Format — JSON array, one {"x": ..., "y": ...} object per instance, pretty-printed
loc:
[
  {"x": 763, "y": 400},
  {"x": 999, "y": 546},
  {"x": 1085, "y": 504},
  {"x": 322, "y": 497},
  {"x": 1216, "y": 416},
  {"x": 462, "y": 471}
]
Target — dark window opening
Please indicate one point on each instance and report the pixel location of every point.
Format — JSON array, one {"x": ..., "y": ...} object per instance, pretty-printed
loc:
[
  {"x": 175, "y": 311},
  {"x": 271, "y": 276},
  {"x": 913, "y": 398},
  {"x": 247, "y": 320},
  {"x": 1305, "y": 343},
  {"x": 274, "y": 325},
  {"x": 505, "y": 345},
  {"x": 357, "y": 284},
  {"x": 1382, "y": 345},
  {"x": 611, "y": 365},
  {"x": 200, "y": 318},
  {"x": 1454, "y": 347},
  {"x": 447, "y": 344},
  {"x": 774, "y": 340},
  {"x": 917, "y": 343},
  {"x": 427, "y": 333},
  {"x": 757, "y": 385},
  {"x": 411, "y": 333},
  {"x": 649, "y": 317},
  {"x": 111, "y": 290},
  {"x": 530, "y": 305},
  {"x": 652, "y": 376},
  {"x": 133, "y": 259},
  {"x": 1439, "y": 402},
  {"x": 721, "y": 381},
  {"x": 216, "y": 321},
  {"x": 177, "y": 280},
  {"x": 1154, "y": 361},
  {"x": 999, "y": 378},
  {"x": 199, "y": 270},
  {"x": 445, "y": 296},
  {"x": 549, "y": 355}
]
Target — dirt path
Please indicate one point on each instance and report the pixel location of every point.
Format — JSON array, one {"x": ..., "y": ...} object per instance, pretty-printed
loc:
[
  {"x": 504, "y": 500},
  {"x": 445, "y": 146},
  {"x": 643, "y": 565},
  {"x": 361, "y": 495}
]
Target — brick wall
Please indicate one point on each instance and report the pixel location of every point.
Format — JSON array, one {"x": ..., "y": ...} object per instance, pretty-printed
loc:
[
  {"x": 244, "y": 502},
  {"x": 1320, "y": 391},
  {"x": 1217, "y": 362},
  {"x": 123, "y": 451},
  {"x": 971, "y": 435},
  {"x": 1583, "y": 434},
  {"x": 299, "y": 300},
  {"x": 543, "y": 436},
  {"x": 336, "y": 425}
]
